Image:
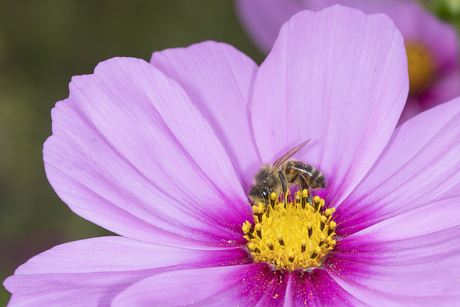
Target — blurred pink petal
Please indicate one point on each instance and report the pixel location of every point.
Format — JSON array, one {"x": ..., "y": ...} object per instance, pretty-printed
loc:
[
  {"x": 443, "y": 89},
  {"x": 264, "y": 18}
]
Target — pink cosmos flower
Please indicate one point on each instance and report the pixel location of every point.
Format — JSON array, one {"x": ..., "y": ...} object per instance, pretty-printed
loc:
[
  {"x": 432, "y": 45},
  {"x": 164, "y": 153}
]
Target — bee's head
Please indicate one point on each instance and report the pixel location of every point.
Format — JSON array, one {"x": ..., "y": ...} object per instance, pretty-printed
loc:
[{"x": 257, "y": 195}]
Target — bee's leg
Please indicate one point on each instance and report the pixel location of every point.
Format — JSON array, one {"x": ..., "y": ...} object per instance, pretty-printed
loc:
[
  {"x": 309, "y": 198},
  {"x": 283, "y": 181},
  {"x": 303, "y": 185},
  {"x": 270, "y": 201}
]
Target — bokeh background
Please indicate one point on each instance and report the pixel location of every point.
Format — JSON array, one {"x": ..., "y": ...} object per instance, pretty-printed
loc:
[{"x": 43, "y": 43}]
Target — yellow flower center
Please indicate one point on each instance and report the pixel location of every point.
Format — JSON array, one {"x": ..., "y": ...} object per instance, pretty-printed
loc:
[
  {"x": 421, "y": 68},
  {"x": 291, "y": 235}
]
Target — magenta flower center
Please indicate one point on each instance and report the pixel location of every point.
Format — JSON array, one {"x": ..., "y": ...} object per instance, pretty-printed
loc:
[
  {"x": 291, "y": 234},
  {"x": 421, "y": 66}
]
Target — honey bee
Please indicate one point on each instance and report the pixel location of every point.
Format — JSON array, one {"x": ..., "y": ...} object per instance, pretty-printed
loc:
[{"x": 283, "y": 174}]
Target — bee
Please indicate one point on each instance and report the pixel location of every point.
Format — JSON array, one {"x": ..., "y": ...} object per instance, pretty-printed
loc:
[{"x": 278, "y": 176}]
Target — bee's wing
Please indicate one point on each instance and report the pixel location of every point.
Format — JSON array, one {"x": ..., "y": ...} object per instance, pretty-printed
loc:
[{"x": 289, "y": 154}]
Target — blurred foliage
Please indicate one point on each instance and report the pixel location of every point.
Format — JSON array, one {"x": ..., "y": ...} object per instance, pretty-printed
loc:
[
  {"x": 448, "y": 10},
  {"x": 42, "y": 44}
]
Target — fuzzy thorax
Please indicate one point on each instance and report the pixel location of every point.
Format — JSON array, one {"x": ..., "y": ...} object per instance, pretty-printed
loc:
[{"x": 291, "y": 234}]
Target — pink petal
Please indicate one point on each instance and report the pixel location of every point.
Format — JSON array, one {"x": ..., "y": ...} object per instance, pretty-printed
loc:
[
  {"x": 340, "y": 78},
  {"x": 418, "y": 25},
  {"x": 131, "y": 152},
  {"x": 444, "y": 88},
  {"x": 370, "y": 294},
  {"x": 413, "y": 258},
  {"x": 420, "y": 166},
  {"x": 219, "y": 79},
  {"x": 264, "y": 18},
  {"x": 411, "y": 109},
  {"x": 91, "y": 272},
  {"x": 316, "y": 288},
  {"x": 242, "y": 285},
  {"x": 415, "y": 23},
  {"x": 427, "y": 226}
]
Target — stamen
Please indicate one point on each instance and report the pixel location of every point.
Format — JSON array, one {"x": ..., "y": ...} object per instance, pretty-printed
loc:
[
  {"x": 422, "y": 68},
  {"x": 291, "y": 233}
]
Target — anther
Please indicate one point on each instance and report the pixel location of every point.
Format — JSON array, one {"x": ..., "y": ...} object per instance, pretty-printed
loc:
[
  {"x": 246, "y": 227},
  {"x": 323, "y": 222},
  {"x": 304, "y": 193},
  {"x": 332, "y": 226},
  {"x": 315, "y": 253},
  {"x": 321, "y": 205},
  {"x": 310, "y": 230},
  {"x": 291, "y": 257},
  {"x": 303, "y": 245},
  {"x": 258, "y": 228},
  {"x": 329, "y": 212},
  {"x": 270, "y": 244},
  {"x": 280, "y": 240}
]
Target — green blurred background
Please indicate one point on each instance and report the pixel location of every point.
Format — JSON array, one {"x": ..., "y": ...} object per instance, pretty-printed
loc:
[{"x": 43, "y": 43}]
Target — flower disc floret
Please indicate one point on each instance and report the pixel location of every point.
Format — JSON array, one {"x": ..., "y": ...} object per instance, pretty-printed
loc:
[
  {"x": 291, "y": 234},
  {"x": 421, "y": 67}
]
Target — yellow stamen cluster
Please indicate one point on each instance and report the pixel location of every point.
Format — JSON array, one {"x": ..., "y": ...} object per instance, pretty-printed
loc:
[
  {"x": 421, "y": 67},
  {"x": 291, "y": 235}
]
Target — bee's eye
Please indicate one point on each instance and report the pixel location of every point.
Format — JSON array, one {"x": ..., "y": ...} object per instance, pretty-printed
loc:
[{"x": 264, "y": 193}]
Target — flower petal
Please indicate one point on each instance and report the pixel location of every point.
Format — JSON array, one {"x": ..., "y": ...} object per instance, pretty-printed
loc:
[
  {"x": 420, "y": 166},
  {"x": 130, "y": 152},
  {"x": 418, "y": 25},
  {"x": 340, "y": 78},
  {"x": 444, "y": 88},
  {"x": 412, "y": 258},
  {"x": 427, "y": 226},
  {"x": 316, "y": 288},
  {"x": 264, "y": 18},
  {"x": 91, "y": 272},
  {"x": 411, "y": 109},
  {"x": 368, "y": 292},
  {"x": 243, "y": 285},
  {"x": 219, "y": 79}
]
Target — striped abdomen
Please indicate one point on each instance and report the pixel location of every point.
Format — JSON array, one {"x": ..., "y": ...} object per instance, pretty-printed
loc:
[{"x": 311, "y": 176}]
